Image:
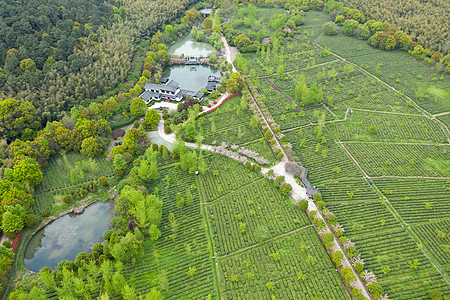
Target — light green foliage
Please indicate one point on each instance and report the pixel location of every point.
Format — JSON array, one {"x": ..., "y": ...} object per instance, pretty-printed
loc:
[
  {"x": 91, "y": 147},
  {"x": 137, "y": 107},
  {"x": 151, "y": 119},
  {"x": 13, "y": 218},
  {"x": 128, "y": 249},
  {"x": 27, "y": 172}
]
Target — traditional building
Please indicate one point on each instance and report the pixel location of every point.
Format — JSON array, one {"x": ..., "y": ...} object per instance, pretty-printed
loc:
[{"x": 169, "y": 90}]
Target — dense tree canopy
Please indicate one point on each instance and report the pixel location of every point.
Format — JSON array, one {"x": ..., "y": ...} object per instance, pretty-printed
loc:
[{"x": 18, "y": 119}]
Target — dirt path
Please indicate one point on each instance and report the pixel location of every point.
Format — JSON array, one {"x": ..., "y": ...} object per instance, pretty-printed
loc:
[{"x": 230, "y": 52}]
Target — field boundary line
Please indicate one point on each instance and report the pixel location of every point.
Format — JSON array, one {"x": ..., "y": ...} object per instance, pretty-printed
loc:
[
  {"x": 390, "y": 113},
  {"x": 395, "y": 143},
  {"x": 295, "y": 128},
  {"x": 426, "y": 113},
  {"x": 406, "y": 177},
  {"x": 410, "y": 232},
  {"x": 210, "y": 239},
  {"x": 296, "y": 70},
  {"x": 441, "y": 114},
  {"x": 232, "y": 192},
  {"x": 354, "y": 160},
  {"x": 263, "y": 242}
]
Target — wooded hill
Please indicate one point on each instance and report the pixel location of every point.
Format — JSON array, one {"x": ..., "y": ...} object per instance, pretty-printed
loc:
[
  {"x": 425, "y": 21},
  {"x": 58, "y": 53}
]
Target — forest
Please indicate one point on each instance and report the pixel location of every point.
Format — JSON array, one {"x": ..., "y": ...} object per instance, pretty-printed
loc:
[
  {"x": 61, "y": 55},
  {"x": 426, "y": 21}
]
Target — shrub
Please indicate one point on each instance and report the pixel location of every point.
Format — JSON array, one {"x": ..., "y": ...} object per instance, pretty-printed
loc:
[
  {"x": 321, "y": 204},
  {"x": 45, "y": 213},
  {"x": 268, "y": 135},
  {"x": 332, "y": 219},
  {"x": 358, "y": 294},
  {"x": 7, "y": 244},
  {"x": 277, "y": 151},
  {"x": 337, "y": 257},
  {"x": 319, "y": 223},
  {"x": 303, "y": 204},
  {"x": 256, "y": 168},
  {"x": 278, "y": 181},
  {"x": 377, "y": 290},
  {"x": 214, "y": 102},
  {"x": 359, "y": 267},
  {"x": 435, "y": 295},
  {"x": 280, "y": 155},
  {"x": 328, "y": 237},
  {"x": 317, "y": 197},
  {"x": 67, "y": 199},
  {"x": 285, "y": 188},
  {"x": 31, "y": 220},
  {"x": 312, "y": 214},
  {"x": 248, "y": 164},
  {"x": 209, "y": 105},
  {"x": 348, "y": 275},
  {"x": 10, "y": 235},
  {"x": 103, "y": 181},
  {"x": 329, "y": 29}
]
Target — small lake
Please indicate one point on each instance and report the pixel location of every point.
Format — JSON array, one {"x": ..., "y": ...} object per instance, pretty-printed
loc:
[
  {"x": 190, "y": 77},
  {"x": 67, "y": 236},
  {"x": 191, "y": 48}
]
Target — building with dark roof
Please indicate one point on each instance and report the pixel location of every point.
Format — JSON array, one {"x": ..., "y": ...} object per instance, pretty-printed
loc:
[
  {"x": 211, "y": 86},
  {"x": 170, "y": 90}
]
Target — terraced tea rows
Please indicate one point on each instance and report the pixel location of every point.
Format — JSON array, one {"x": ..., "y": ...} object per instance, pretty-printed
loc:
[
  {"x": 251, "y": 215},
  {"x": 303, "y": 271},
  {"x": 389, "y": 127}
]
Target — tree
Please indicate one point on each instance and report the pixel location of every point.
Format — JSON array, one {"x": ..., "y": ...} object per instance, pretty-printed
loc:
[
  {"x": 207, "y": 23},
  {"x": 350, "y": 27},
  {"x": 285, "y": 188},
  {"x": 154, "y": 232},
  {"x": 129, "y": 248},
  {"x": 151, "y": 119},
  {"x": 137, "y": 107},
  {"x": 14, "y": 218},
  {"x": 91, "y": 147},
  {"x": 337, "y": 257},
  {"x": 373, "y": 129},
  {"x": 242, "y": 42},
  {"x": 27, "y": 172},
  {"x": 303, "y": 205},
  {"x": 329, "y": 29},
  {"x": 317, "y": 197},
  {"x": 119, "y": 164},
  {"x": 180, "y": 200},
  {"x": 235, "y": 83},
  {"x": 190, "y": 132},
  {"x": 128, "y": 293},
  {"x": 435, "y": 295},
  {"x": 148, "y": 170},
  {"x": 18, "y": 119}
]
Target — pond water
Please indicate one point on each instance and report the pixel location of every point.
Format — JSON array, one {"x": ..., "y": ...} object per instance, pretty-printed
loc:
[
  {"x": 67, "y": 236},
  {"x": 191, "y": 48},
  {"x": 190, "y": 77}
]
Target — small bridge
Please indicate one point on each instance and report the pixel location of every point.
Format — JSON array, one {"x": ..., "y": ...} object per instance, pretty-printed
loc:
[{"x": 188, "y": 60}]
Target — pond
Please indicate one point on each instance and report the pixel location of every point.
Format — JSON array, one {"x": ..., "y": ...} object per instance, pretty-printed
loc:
[
  {"x": 191, "y": 77},
  {"x": 67, "y": 236},
  {"x": 191, "y": 48}
]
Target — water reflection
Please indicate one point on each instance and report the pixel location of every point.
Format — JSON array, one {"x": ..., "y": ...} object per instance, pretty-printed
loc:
[
  {"x": 191, "y": 48},
  {"x": 67, "y": 236}
]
